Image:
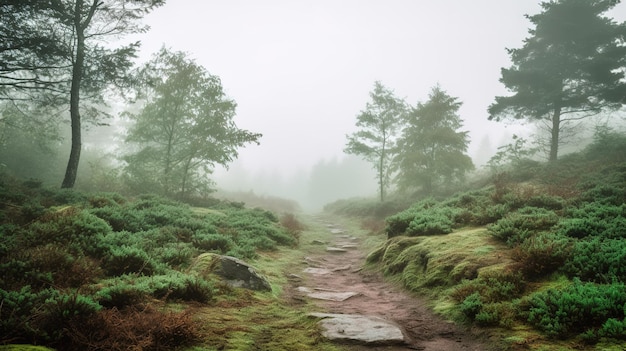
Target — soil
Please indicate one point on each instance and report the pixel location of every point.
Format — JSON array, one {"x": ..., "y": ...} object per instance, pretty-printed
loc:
[{"x": 423, "y": 329}]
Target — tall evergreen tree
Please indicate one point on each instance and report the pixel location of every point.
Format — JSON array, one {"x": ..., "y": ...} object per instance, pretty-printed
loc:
[
  {"x": 378, "y": 126},
  {"x": 432, "y": 150},
  {"x": 571, "y": 67}
]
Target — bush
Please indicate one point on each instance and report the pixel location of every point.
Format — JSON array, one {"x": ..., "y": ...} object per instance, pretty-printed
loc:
[
  {"x": 78, "y": 231},
  {"x": 424, "y": 218},
  {"x": 517, "y": 226},
  {"x": 542, "y": 254},
  {"x": 597, "y": 260},
  {"x": 128, "y": 259},
  {"x": 578, "y": 308}
]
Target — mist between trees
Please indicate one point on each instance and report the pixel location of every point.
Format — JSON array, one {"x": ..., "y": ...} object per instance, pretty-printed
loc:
[{"x": 174, "y": 124}]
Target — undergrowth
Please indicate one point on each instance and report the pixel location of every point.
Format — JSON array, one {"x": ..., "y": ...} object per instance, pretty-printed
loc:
[
  {"x": 92, "y": 271},
  {"x": 561, "y": 219}
]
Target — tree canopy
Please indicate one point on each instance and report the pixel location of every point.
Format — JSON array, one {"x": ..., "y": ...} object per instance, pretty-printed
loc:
[
  {"x": 57, "y": 49},
  {"x": 185, "y": 127},
  {"x": 571, "y": 67},
  {"x": 378, "y": 126},
  {"x": 431, "y": 150}
]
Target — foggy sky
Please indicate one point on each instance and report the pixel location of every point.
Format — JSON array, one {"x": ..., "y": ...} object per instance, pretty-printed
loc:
[{"x": 301, "y": 71}]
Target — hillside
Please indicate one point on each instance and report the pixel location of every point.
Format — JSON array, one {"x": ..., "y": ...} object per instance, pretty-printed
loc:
[{"x": 536, "y": 257}]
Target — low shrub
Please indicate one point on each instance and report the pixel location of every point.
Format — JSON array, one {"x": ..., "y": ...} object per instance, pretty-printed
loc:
[
  {"x": 541, "y": 254},
  {"x": 597, "y": 260},
  {"x": 517, "y": 226},
  {"x": 579, "y": 308},
  {"x": 128, "y": 259}
]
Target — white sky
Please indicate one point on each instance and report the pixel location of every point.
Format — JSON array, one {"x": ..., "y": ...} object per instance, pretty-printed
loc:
[{"x": 301, "y": 71}]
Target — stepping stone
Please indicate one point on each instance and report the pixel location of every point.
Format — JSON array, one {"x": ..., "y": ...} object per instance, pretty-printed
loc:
[
  {"x": 328, "y": 295},
  {"x": 317, "y": 271},
  {"x": 332, "y": 296},
  {"x": 335, "y": 249},
  {"x": 337, "y": 231},
  {"x": 347, "y": 246},
  {"x": 342, "y": 268},
  {"x": 354, "y": 328},
  {"x": 318, "y": 242},
  {"x": 314, "y": 263}
]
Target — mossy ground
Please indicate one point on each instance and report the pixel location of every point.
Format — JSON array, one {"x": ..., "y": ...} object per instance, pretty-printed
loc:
[{"x": 240, "y": 319}]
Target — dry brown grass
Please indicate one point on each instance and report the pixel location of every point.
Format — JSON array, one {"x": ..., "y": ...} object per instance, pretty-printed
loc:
[{"x": 134, "y": 329}]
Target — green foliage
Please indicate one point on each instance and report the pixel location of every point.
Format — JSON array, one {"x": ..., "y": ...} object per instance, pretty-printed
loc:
[
  {"x": 594, "y": 219},
  {"x": 375, "y": 139},
  {"x": 431, "y": 151},
  {"x": 514, "y": 156},
  {"x": 519, "y": 225},
  {"x": 582, "y": 75},
  {"x": 597, "y": 260},
  {"x": 132, "y": 290},
  {"x": 40, "y": 317},
  {"x": 542, "y": 254},
  {"x": 77, "y": 230},
  {"x": 128, "y": 259},
  {"x": 578, "y": 308},
  {"x": 183, "y": 130},
  {"x": 471, "y": 305}
]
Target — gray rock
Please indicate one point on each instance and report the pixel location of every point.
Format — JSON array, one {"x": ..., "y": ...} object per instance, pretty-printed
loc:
[
  {"x": 234, "y": 271},
  {"x": 337, "y": 231},
  {"x": 360, "y": 329},
  {"x": 328, "y": 295},
  {"x": 332, "y": 296},
  {"x": 317, "y": 271}
]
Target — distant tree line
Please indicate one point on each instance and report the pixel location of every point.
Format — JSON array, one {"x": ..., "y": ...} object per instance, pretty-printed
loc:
[{"x": 571, "y": 67}]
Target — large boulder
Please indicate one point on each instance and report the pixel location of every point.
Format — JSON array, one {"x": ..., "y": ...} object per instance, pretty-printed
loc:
[{"x": 234, "y": 271}]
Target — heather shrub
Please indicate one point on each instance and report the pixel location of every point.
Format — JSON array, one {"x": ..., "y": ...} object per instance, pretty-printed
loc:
[
  {"x": 517, "y": 226},
  {"x": 212, "y": 242},
  {"x": 577, "y": 309},
  {"x": 541, "y": 254},
  {"x": 128, "y": 259},
  {"x": 16, "y": 314},
  {"x": 427, "y": 217},
  {"x": 492, "y": 287},
  {"x": 77, "y": 230},
  {"x": 597, "y": 260},
  {"x": 594, "y": 219},
  {"x": 399, "y": 223}
]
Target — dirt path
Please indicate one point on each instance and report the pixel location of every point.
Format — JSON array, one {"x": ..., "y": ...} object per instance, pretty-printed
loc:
[{"x": 422, "y": 328}]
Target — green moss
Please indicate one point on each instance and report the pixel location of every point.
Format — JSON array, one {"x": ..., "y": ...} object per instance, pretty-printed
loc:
[{"x": 24, "y": 348}]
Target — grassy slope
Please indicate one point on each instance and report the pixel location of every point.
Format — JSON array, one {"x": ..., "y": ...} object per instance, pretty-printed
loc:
[{"x": 493, "y": 256}]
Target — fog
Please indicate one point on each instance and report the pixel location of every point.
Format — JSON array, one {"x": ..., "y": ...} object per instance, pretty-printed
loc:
[{"x": 301, "y": 71}]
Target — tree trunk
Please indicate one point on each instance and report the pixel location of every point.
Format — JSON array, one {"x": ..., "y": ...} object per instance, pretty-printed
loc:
[
  {"x": 77, "y": 75},
  {"x": 554, "y": 141},
  {"x": 381, "y": 186}
]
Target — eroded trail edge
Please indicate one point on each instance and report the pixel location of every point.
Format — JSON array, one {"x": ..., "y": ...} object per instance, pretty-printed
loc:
[{"x": 373, "y": 314}]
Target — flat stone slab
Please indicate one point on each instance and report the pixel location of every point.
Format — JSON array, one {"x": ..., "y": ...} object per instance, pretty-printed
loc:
[
  {"x": 354, "y": 328},
  {"x": 335, "y": 249},
  {"x": 328, "y": 295},
  {"x": 337, "y": 231},
  {"x": 317, "y": 271}
]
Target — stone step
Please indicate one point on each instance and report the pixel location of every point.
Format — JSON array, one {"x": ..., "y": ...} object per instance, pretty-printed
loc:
[{"x": 355, "y": 328}]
